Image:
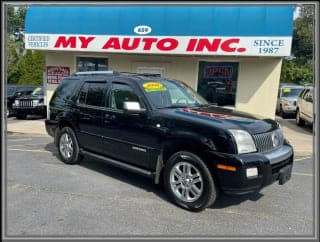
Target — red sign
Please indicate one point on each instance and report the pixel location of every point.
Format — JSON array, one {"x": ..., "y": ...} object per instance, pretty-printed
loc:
[{"x": 56, "y": 73}]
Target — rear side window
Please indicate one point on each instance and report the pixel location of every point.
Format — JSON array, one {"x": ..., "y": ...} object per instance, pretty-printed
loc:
[
  {"x": 92, "y": 94},
  {"x": 65, "y": 90}
]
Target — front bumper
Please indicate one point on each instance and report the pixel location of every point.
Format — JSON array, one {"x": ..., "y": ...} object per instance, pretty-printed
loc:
[
  {"x": 51, "y": 126},
  {"x": 289, "y": 109},
  {"x": 272, "y": 166},
  {"x": 39, "y": 110}
]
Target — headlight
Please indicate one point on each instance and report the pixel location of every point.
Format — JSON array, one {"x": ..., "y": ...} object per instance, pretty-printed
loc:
[
  {"x": 35, "y": 102},
  {"x": 16, "y": 102},
  {"x": 245, "y": 143}
]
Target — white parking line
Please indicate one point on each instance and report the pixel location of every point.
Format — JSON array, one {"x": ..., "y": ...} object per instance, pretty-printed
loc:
[
  {"x": 302, "y": 174},
  {"x": 40, "y": 151},
  {"x": 19, "y": 139}
]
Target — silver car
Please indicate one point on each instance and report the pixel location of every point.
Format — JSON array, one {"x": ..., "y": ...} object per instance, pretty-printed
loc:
[{"x": 287, "y": 99}]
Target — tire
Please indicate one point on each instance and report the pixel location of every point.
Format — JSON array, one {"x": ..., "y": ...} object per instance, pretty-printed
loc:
[
  {"x": 281, "y": 113},
  {"x": 299, "y": 121},
  {"x": 21, "y": 116},
  {"x": 68, "y": 146},
  {"x": 184, "y": 192}
]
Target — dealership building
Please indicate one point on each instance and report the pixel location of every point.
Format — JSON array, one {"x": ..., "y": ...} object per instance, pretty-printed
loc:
[{"x": 231, "y": 54}]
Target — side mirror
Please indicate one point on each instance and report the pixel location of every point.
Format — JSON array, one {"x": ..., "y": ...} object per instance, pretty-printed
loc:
[{"x": 133, "y": 108}]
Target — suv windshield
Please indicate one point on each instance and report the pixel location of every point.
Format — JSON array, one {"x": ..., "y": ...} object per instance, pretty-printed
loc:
[
  {"x": 291, "y": 92},
  {"x": 10, "y": 91},
  {"x": 171, "y": 93},
  {"x": 37, "y": 92}
]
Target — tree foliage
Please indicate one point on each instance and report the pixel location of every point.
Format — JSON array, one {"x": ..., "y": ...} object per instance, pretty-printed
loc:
[
  {"x": 300, "y": 70},
  {"x": 23, "y": 67}
]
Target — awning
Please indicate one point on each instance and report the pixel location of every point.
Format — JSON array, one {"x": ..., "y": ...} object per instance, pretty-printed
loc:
[{"x": 171, "y": 29}]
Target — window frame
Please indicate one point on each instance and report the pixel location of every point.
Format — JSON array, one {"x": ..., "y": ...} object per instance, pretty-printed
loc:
[
  {"x": 142, "y": 102},
  {"x": 104, "y": 94},
  {"x": 90, "y": 57}
]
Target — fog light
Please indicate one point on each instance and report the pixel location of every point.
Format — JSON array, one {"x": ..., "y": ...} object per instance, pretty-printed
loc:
[{"x": 252, "y": 172}]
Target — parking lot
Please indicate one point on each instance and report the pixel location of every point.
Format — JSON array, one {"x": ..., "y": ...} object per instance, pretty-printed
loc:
[{"x": 46, "y": 197}]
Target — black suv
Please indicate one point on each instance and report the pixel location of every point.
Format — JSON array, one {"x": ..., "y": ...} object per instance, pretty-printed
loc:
[
  {"x": 15, "y": 91},
  {"x": 164, "y": 130},
  {"x": 30, "y": 104}
]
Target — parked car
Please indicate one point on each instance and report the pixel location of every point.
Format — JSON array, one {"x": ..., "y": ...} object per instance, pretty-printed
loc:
[
  {"x": 15, "y": 91},
  {"x": 30, "y": 104},
  {"x": 162, "y": 129},
  {"x": 287, "y": 99},
  {"x": 305, "y": 107}
]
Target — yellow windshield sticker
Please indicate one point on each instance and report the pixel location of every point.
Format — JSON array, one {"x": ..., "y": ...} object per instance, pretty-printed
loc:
[
  {"x": 154, "y": 87},
  {"x": 287, "y": 89},
  {"x": 37, "y": 89}
]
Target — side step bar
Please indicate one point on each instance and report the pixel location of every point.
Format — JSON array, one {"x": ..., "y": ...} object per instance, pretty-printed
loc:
[{"x": 120, "y": 164}]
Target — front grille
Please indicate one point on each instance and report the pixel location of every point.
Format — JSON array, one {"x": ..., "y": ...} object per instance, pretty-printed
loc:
[
  {"x": 264, "y": 142},
  {"x": 25, "y": 103}
]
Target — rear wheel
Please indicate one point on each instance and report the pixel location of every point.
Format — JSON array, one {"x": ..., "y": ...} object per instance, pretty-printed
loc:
[
  {"x": 188, "y": 182},
  {"x": 68, "y": 146},
  {"x": 299, "y": 121}
]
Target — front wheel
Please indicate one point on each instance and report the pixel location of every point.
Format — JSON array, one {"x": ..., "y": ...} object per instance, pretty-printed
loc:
[
  {"x": 188, "y": 182},
  {"x": 68, "y": 146}
]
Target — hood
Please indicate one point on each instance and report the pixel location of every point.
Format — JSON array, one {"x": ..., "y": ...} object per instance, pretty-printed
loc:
[
  {"x": 289, "y": 98},
  {"x": 33, "y": 97},
  {"x": 224, "y": 118}
]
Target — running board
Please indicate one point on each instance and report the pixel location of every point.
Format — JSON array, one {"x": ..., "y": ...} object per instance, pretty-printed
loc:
[{"x": 120, "y": 164}]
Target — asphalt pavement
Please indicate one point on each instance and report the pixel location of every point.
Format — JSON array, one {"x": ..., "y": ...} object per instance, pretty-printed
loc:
[{"x": 46, "y": 197}]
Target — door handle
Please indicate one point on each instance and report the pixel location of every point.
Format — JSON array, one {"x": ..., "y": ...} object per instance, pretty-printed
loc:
[{"x": 109, "y": 117}]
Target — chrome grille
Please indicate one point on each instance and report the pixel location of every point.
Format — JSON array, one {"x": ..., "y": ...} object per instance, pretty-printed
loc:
[
  {"x": 25, "y": 103},
  {"x": 264, "y": 142}
]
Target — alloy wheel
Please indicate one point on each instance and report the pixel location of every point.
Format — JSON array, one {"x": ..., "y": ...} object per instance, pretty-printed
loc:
[
  {"x": 186, "y": 182},
  {"x": 66, "y": 146}
]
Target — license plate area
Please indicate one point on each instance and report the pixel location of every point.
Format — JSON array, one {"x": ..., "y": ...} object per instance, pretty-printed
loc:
[{"x": 285, "y": 174}]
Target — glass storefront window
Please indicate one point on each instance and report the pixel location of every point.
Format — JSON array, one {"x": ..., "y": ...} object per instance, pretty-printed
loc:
[
  {"x": 92, "y": 64},
  {"x": 217, "y": 82}
]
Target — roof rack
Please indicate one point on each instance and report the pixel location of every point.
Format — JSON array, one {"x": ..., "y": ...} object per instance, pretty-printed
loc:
[
  {"x": 140, "y": 74},
  {"x": 81, "y": 73}
]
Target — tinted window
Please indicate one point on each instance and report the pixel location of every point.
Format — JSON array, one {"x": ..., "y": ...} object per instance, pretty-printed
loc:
[
  {"x": 306, "y": 94},
  {"x": 95, "y": 94},
  {"x": 10, "y": 91},
  {"x": 66, "y": 89},
  {"x": 83, "y": 93},
  {"x": 92, "y": 94},
  {"x": 121, "y": 93}
]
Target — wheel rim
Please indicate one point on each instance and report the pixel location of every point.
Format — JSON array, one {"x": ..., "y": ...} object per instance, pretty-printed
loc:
[
  {"x": 186, "y": 182},
  {"x": 66, "y": 146}
]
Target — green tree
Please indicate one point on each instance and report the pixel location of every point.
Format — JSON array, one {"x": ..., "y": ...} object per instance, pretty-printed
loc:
[
  {"x": 300, "y": 70},
  {"x": 31, "y": 67}
]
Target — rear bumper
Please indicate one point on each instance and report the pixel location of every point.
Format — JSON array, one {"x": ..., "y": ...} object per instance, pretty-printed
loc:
[
  {"x": 273, "y": 166},
  {"x": 51, "y": 126}
]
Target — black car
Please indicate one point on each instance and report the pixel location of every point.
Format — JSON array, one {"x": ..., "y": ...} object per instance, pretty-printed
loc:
[
  {"x": 30, "y": 104},
  {"x": 15, "y": 91},
  {"x": 164, "y": 130}
]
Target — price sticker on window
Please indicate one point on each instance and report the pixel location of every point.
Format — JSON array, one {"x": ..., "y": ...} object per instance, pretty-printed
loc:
[
  {"x": 154, "y": 87},
  {"x": 287, "y": 89}
]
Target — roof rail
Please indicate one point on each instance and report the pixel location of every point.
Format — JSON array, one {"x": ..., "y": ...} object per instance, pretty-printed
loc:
[
  {"x": 80, "y": 73},
  {"x": 140, "y": 74}
]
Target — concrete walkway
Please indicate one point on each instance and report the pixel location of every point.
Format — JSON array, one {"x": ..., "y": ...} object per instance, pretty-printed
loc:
[{"x": 301, "y": 138}]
